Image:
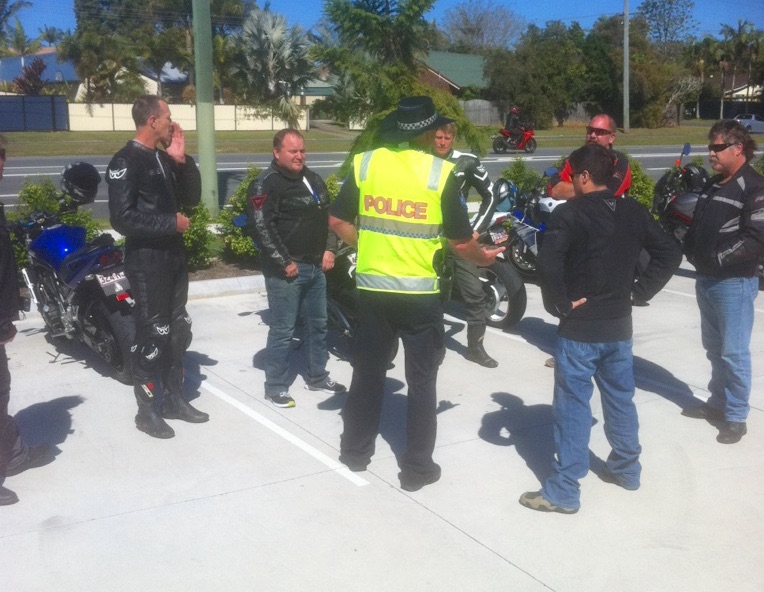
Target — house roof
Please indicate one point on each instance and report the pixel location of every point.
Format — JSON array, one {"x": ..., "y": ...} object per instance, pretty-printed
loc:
[
  {"x": 461, "y": 69},
  {"x": 11, "y": 67}
]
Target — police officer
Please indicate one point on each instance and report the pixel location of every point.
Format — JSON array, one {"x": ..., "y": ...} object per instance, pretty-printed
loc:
[
  {"x": 147, "y": 187},
  {"x": 466, "y": 277},
  {"x": 404, "y": 200}
]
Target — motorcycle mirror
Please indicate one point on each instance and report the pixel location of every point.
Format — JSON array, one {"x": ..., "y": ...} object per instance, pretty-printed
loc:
[
  {"x": 686, "y": 149},
  {"x": 240, "y": 221},
  {"x": 504, "y": 192}
]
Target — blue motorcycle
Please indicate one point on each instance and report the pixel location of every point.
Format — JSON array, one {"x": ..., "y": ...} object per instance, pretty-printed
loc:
[{"x": 79, "y": 287}]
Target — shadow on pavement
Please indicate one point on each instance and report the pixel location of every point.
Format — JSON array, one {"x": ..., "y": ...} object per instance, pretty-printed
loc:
[
  {"x": 527, "y": 428},
  {"x": 49, "y": 422}
]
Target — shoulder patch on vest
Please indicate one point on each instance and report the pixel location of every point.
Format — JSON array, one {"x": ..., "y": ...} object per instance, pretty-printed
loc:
[{"x": 257, "y": 201}]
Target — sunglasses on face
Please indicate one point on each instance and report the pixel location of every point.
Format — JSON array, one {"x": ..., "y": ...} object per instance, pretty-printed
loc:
[
  {"x": 718, "y": 147},
  {"x": 597, "y": 131}
]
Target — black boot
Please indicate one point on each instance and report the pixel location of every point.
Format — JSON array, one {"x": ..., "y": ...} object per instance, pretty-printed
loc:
[
  {"x": 475, "y": 351},
  {"x": 174, "y": 405},
  {"x": 148, "y": 420},
  {"x": 7, "y": 438}
]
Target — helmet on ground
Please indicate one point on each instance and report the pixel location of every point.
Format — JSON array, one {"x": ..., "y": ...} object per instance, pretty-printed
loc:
[{"x": 80, "y": 181}]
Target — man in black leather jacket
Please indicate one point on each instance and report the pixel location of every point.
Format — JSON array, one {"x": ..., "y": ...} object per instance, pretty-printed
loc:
[
  {"x": 472, "y": 173},
  {"x": 287, "y": 213},
  {"x": 15, "y": 455},
  {"x": 147, "y": 188}
]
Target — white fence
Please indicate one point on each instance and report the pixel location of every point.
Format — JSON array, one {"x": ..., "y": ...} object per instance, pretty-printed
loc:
[{"x": 117, "y": 117}]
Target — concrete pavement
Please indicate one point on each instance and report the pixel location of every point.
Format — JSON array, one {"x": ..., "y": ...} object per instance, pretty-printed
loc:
[{"x": 255, "y": 499}]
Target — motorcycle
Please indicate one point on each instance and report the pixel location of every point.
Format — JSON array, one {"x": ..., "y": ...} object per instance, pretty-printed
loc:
[
  {"x": 676, "y": 194},
  {"x": 79, "y": 287},
  {"x": 529, "y": 215},
  {"x": 504, "y": 141}
]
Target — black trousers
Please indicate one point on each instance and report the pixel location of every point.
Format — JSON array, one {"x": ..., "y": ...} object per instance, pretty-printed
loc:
[
  {"x": 418, "y": 320},
  {"x": 159, "y": 283},
  {"x": 467, "y": 281},
  {"x": 10, "y": 440}
]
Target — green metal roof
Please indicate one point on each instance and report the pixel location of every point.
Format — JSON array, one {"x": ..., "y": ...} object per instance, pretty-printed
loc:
[{"x": 460, "y": 68}]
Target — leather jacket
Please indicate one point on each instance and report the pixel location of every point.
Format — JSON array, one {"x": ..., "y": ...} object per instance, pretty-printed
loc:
[
  {"x": 471, "y": 172},
  {"x": 146, "y": 190},
  {"x": 9, "y": 292}
]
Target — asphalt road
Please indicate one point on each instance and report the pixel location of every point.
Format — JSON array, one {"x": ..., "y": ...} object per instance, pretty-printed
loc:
[{"x": 232, "y": 168}]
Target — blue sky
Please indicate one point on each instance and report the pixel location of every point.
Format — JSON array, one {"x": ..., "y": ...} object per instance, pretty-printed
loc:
[{"x": 710, "y": 13}]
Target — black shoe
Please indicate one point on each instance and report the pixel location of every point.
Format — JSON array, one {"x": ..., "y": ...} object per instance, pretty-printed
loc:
[
  {"x": 356, "y": 465},
  {"x": 535, "y": 501},
  {"x": 550, "y": 363},
  {"x": 478, "y": 355},
  {"x": 416, "y": 482},
  {"x": 281, "y": 399},
  {"x": 178, "y": 408},
  {"x": 150, "y": 422},
  {"x": 609, "y": 477},
  {"x": 36, "y": 456},
  {"x": 639, "y": 302},
  {"x": 731, "y": 432},
  {"x": 327, "y": 386},
  {"x": 7, "y": 497},
  {"x": 704, "y": 411}
]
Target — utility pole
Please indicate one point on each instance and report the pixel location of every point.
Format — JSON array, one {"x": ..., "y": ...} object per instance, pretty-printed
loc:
[
  {"x": 626, "y": 66},
  {"x": 205, "y": 108}
]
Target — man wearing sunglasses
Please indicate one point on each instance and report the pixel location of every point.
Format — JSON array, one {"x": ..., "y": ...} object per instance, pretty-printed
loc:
[
  {"x": 725, "y": 243},
  {"x": 600, "y": 131}
]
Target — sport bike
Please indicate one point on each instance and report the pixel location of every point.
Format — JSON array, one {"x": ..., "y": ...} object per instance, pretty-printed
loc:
[
  {"x": 504, "y": 141},
  {"x": 79, "y": 287}
]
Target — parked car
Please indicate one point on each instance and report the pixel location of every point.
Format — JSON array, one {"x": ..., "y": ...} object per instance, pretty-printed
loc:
[{"x": 753, "y": 123}]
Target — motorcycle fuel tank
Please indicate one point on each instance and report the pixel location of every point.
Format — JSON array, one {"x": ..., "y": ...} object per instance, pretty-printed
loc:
[{"x": 56, "y": 242}]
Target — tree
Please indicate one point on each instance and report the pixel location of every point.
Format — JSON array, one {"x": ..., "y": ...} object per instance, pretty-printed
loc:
[
  {"x": 8, "y": 10},
  {"x": 275, "y": 60},
  {"x": 18, "y": 42},
  {"x": 51, "y": 36},
  {"x": 669, "y": 21},
  {"x": 475, "y": 27},
  {"x": 30, "y": 82}
]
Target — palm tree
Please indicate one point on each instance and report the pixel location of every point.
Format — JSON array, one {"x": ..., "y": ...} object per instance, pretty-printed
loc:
[
  {"x": 21, "y": 45},
  {"x": 7, "y": 11},
  {"x": 275, "y": 60}
]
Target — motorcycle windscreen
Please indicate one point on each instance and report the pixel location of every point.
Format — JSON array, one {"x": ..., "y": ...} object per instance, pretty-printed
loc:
[
  {"x": 55, "y": 243},
  {"x": 528, "y": 235}
]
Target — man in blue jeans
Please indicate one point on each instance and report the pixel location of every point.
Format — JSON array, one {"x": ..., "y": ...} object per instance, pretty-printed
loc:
[
  {"x": 586, "y": 266},
  {"x": 287, "y": 208},
  {"x": 725, "y": 244}
]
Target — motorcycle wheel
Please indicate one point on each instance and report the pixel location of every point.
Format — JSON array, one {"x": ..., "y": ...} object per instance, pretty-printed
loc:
[
  {"x": 499, "y": 147},
  {"x": 504, "y": 311},
  {"x": 116, "y": 332},
  {"x": 530, "y": 146},
  {"x": 522, "y": 260}
]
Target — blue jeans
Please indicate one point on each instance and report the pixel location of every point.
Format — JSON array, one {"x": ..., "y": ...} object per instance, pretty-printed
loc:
[
  {"x": 611, "y": 365},
  {"x": 726, "y": 323},
  {"x": 304, "y": 295}
]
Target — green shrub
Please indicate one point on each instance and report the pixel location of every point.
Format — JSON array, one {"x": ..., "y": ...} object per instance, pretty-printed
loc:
[
  {"x": 523, "y": 176},
  {"x": 641, "y": 184},
  {"x": 198, "y": 239},
  {"x": 237, "y": 245},
  {"x": 758, "y": 164},
  {"x": 332, "y": 186},
  {"x": 38, "y": 196}
]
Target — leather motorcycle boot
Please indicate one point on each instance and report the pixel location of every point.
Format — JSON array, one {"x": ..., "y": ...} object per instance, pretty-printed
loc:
[
  {"x": 475, "y": 351},
  {"x": 174, "y": 405},
  {"x": 7, "y": 497},
  {"x": 148, "y": 420}
]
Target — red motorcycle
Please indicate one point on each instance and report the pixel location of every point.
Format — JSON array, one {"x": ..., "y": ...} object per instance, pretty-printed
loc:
[{"x": 504, "y": 141}]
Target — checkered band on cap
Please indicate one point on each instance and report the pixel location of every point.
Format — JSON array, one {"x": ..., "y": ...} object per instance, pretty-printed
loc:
[{"x": 410, "y": 127}]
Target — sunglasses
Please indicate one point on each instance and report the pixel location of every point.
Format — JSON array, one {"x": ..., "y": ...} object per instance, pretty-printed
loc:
[
  {"x": 718, "y": 147},
  {"x": 598, "y": 131}
]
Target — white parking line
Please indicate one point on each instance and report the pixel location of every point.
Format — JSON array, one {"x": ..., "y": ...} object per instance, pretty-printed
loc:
[
  {"x": 331, "y": 464},
  {"x": 759, "y": 310}
]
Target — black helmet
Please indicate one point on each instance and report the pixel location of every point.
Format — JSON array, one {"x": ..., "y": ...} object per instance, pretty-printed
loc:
[
  {"x": 694, "y": 177},
  {"x": 80, "y": 181}
]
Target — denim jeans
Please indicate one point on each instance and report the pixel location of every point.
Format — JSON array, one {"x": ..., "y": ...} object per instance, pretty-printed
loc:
[
  {"x": 611, "y": 366},
  {"x": 726, "y": 323},
  {"x": 304, "y": 295}
]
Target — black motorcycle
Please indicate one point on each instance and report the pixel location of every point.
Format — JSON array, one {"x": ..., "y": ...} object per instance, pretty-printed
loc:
[{"x": 79, "y": 287}]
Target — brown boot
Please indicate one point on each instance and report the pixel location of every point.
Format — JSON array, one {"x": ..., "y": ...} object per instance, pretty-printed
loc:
[{"x": 475, "y": 351}]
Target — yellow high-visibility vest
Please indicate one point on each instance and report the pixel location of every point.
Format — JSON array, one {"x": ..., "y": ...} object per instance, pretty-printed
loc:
[{"x": 400, "y": 220}]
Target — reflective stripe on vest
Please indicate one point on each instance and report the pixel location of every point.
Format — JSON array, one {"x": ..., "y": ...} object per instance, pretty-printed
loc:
[{"x": 400, "y": 220}]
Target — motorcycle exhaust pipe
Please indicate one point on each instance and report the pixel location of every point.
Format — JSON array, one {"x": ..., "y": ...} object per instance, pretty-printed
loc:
[{"x": 30, "y": 286}]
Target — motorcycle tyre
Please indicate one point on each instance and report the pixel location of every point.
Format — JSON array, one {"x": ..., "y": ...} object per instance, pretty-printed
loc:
[
  {"x": 119, "y": 325},
  {"x": 499, "y": 278},
  {"x": 499, "y": 147},
  {"x": 530, "y": 146},
  {"x": 525, "y": 267}
]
